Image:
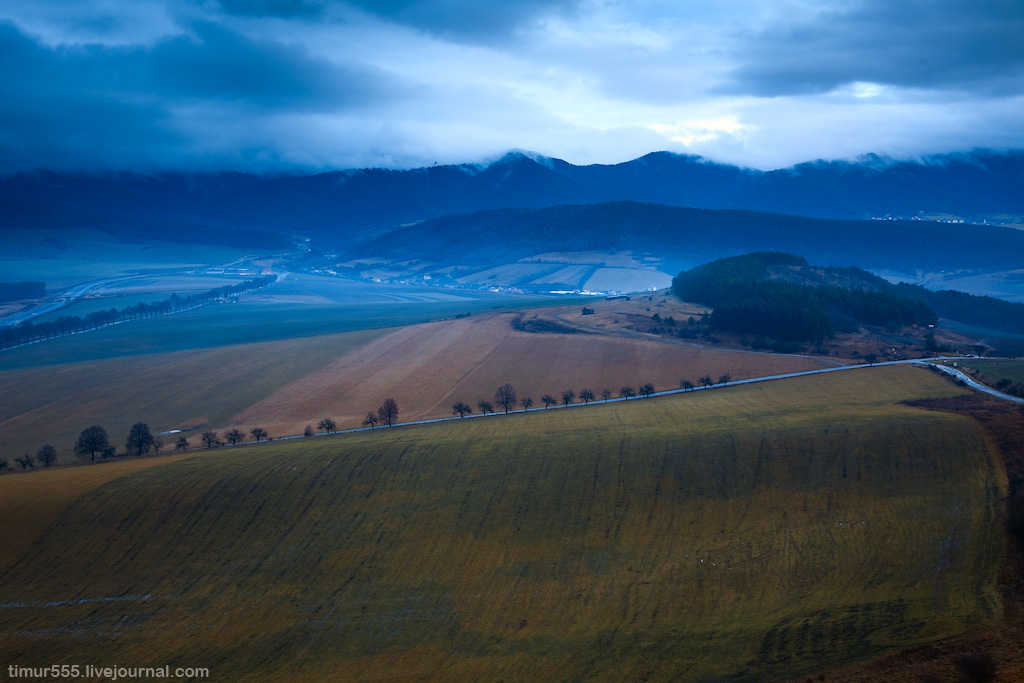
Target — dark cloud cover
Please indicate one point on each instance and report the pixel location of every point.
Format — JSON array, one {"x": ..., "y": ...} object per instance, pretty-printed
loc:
[
  {"x": 76, "y": 104},
  {"x": 975, "y": 45},
  {"x": 466, "y": 20},
  {"x": 266, "y": 85}
]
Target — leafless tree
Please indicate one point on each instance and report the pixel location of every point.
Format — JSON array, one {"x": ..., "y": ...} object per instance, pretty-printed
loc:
[
  {"x": 370, "y": 420},
  {"x": 234, "y": 436},
  {"x": 259, "y": 433},
  {"x": 181, "y": 444},
  {"x": 568, "y": 396},
  {"x": 25, "y": 462},
  {"x": 606, "y": 394},
  {"x": 140, "y": 440},
  {"x": 647, "y": 390},
  {"x": 725, "y": 379},
  {"x": 485, "y": 407},
  {"x": 91, "y": 441},
  {"x": 327, "y": 425},
  {"x": 210, "y": 439},
  {"x": 388, "y": 412},
  {"x": 505, "y": 396},
  {"x": 627, "y": 392},
  {"x": 47, "y": 455},
  {"x": 308, "y": 431},
  {"x": 586, "y": 395},
  {"x": 548, "y": 400},
  {"x": 526, "y": 402},
  {"x": 461, "y": 408}
]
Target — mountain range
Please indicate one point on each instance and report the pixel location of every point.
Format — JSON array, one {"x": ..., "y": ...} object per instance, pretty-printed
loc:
[{"x": 347, "y": 206}]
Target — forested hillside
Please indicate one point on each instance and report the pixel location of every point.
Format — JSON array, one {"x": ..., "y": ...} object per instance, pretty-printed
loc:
[{"x": 780, "y": 295}]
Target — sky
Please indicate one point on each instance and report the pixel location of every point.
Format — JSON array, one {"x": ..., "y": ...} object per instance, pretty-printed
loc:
[{"x": 272, "y": 86}]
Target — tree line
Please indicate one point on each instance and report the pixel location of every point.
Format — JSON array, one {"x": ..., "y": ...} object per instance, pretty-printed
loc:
[
  {"x": 28, "y": 331},
  {"x": 94, "y": 441}
]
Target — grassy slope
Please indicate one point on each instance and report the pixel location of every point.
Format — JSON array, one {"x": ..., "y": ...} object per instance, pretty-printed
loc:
[
  {"x": 1012, "y": 370},
  {"x": 181, "y": 389},
  {"x": 284, "y": 385},
  {"x": 248, "y": 321},
  {"x": 775, "y": 529}
]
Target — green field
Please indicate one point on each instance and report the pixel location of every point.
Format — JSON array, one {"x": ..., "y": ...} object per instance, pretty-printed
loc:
[
  {"x": 1012, "y": 370},
  {"x": 745, "y": 533},
  {"x": 251, "y": 320}
]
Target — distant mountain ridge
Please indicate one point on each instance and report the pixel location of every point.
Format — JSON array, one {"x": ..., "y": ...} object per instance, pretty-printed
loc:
[
  {"x": 685, "y": 237},
  {"x": 358, "y": 204}
]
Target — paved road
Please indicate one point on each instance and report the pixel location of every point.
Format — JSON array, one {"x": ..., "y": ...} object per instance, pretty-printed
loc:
[
  {"x": 63, "y": 299},
  {"x": 935, "y": 362}
]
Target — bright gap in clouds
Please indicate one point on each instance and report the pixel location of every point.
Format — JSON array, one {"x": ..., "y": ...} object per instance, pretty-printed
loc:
[{"x": 268, "y": 85}]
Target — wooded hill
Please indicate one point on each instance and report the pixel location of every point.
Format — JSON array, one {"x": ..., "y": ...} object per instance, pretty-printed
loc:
[
  {"x": 780, "y": 295},
  {"x": 688, "y": 237}
]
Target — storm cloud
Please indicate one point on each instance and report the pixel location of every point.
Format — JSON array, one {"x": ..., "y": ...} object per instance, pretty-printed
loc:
[
  {"x": 278, "y": 85},
  {"x": 928, "y": 44}
]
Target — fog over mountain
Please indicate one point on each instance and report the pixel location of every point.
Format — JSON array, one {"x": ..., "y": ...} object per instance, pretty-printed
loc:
[{"x": 353, "y": 205}]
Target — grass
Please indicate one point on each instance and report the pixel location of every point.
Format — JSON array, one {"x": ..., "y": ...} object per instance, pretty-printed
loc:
[
  {"x": 176, "y": 390},
  {"x": 754, "y": 532},
  {"x": 1012, "y": 370},
  {"x": 284, "y": 385},
  {"x": 247, "y": 321}
]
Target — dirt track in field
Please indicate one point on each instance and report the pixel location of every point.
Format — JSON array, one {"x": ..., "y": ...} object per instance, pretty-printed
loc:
[{"x": 428, "y": 367}]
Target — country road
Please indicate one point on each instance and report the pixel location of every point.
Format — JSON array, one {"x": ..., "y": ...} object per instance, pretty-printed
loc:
[
  {"x": 934, "y": 362},
  {"x": 65, "y": 298}
]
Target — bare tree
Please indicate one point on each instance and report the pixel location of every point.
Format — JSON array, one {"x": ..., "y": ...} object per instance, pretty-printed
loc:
[
  {"x": 706, "y": 380},
  {"x": 506, "y": 397},
  {"x": 370, "y": 420},
  {"x": 327, "y": 425},
  {"x": 725, "y": 379},
  {"x": 388, "y": 412},
  {"x": 568, "y": 396},
  {"x": 25, "y": 462},
  {"x": 47, "y": 455},
  {"x": 4, "y": 467},
  {"x": 91, "y": 441},
  {"x": 606, "y": 394},
  {"x": 485, "y": 407},
  {"x": 526, "y": 402},
  {"x": 627, "y": 392},
  {"x": 158, "y": 444},
  {"x": 234, "y": 436},
  {"x": 548, "y": 400},
  {"x": 210, "y": 439},
  {"x": 586, "y": 395},
  {"x": 259, "y": 433},
  {"x": 308, "y": 431},
  {"x": 647, "y": 390},
  {"x": 140, "y": 440},
  {"x": 461, "y": 408},
  {"x": 686, "y": 385},
  {"x": 181, "y": 444}
]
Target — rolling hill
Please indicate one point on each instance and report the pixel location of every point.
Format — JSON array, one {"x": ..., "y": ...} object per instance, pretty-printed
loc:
[
  {"x": 762, "y": 531},
  {"x": 685, "y": 237}
]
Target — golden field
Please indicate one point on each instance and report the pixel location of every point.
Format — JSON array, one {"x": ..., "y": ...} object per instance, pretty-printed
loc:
[{"x": 769, "y": 530}]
